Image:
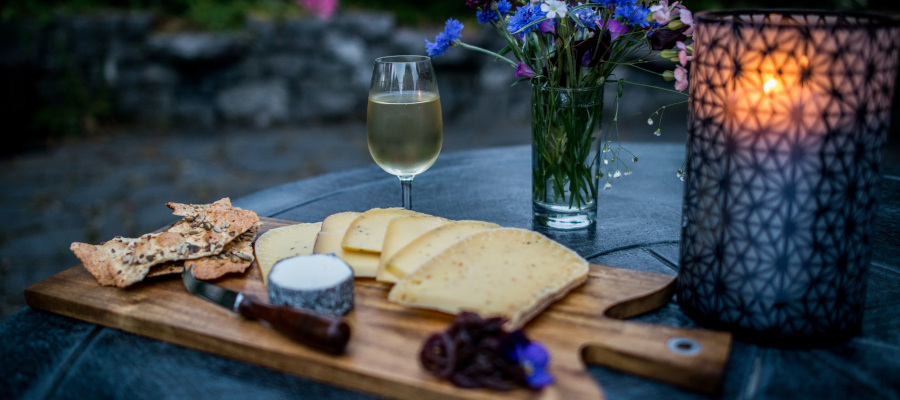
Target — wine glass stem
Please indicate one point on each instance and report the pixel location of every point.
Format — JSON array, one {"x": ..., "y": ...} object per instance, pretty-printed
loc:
[{"x": 406, "y": 191}]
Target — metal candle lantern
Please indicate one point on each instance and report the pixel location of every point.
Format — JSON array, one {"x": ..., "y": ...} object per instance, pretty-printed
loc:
[{"x": 789, "y": 111}]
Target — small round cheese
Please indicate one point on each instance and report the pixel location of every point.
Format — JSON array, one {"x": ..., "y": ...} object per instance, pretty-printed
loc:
[{"x": 316, "y": 282}]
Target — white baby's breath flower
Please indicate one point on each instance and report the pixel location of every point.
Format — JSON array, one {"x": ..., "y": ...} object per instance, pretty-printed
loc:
[
  {"x": 658, "y": 132},
  {"x": 605, "y": 162},
  {"x": 649, "y": 121},
  {"x": 555, "y": 8},
  {"x": 607, "y": 186},
  {"x": 617, "y": 174}
]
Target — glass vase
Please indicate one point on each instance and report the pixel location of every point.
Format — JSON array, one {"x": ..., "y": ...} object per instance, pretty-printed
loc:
[{"x": 564, "y": 147}]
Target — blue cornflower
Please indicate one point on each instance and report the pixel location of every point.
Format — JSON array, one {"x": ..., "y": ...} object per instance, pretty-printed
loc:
[
  {"x": 615, "y": 3},
  {"x": 525, "y": 15},
  {"x": 633, "y": 14},
  {"x": 503, "y": 7},
  {"x": 453, "y": 29},
  {"x": 588, "y": 17},
  {"x": 443, "y": 41},
  {"x": 486, "y": 16}
]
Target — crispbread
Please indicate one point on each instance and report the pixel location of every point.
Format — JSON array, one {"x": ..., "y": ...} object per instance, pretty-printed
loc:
[
  {"x": 508, "y": 272},
  {"x": 235, "y": 257},
  {"x": 429, "y": 244},
  {"x": 400, "y": 232},
  {"x": 366, "y": 232},
  {"x": 284, "y": 242},
  {"x": 125, "y": 261},
  {"x": 364, "y": 265}
]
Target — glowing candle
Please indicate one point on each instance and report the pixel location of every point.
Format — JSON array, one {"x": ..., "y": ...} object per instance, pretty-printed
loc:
[{"x": 788, "y": 116}]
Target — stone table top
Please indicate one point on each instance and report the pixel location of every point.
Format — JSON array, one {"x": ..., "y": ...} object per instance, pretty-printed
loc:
[{"x": 50, "y": 356}]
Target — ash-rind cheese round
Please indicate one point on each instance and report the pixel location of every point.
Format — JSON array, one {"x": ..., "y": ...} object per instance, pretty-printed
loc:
[{"x": 316, "y": 282}]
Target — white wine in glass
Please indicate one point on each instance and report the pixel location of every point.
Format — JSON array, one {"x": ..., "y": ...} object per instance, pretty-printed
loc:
[{"x": 404, "y": 125}]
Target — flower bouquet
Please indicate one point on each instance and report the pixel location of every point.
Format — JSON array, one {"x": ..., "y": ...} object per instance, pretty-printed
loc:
[{"x": 568, "y": 52}]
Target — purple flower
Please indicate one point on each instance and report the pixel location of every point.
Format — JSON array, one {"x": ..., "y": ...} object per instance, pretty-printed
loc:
[
  {"x": 524, "y": 71},
  {"x": 533, "y": 359},
  {"x": 586, "y": 59},
  {"x": 615, "y": 29},
  {"x": 474, "y": 4},
  {"x": 443, "y": 41},
  {"x": 664, "y": 39},
  {"x": 547, "y": 26}
]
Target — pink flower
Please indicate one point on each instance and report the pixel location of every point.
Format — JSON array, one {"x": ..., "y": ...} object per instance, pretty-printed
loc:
[
  {"x": 683, "y": 56},
  {"x": 661, "y": 12},
  {"x": 681, "y": 78},
  {"x": 321, "y": 8},
  {"x": 686, "y": 18},
  {"x": 615, "y": 28},
  {"x": 524, "y": 71}
]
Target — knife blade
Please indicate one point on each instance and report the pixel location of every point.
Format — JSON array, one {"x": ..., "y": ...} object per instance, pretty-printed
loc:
[{"x": 323, "y": 332}]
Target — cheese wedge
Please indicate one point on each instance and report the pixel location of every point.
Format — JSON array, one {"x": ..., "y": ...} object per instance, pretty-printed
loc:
[
  {"x": 507, "y": 272},
  {"x": 284, "y": 242},
  {"x": 364, "y": 265},
  {"x": 400, "y": 232},
  {"x": 339, "y": 222},
  {"x": 366, "y": 232},
  {"x": 429, "y": 244}
]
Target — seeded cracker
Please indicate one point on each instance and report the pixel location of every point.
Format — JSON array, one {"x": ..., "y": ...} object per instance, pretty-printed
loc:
[
  {"x": 235, "y": 257},
  {"x": 203, "y": 232}
]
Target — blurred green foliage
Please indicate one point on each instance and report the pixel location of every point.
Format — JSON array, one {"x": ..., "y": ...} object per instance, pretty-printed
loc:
[
  {"x": 416, "y": 12},
  {"x": 79, "y": 108},
  {"x": 218, "y": 15}
]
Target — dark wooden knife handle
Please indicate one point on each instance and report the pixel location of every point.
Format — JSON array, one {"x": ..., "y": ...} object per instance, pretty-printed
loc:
[{"x": 325, "y": 332}]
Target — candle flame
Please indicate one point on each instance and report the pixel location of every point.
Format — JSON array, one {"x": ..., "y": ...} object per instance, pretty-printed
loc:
[{"x": 770, "y": 84}]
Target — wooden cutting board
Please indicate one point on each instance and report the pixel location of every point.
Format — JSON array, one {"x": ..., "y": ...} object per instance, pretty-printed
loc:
[{"x": 382, "y": 356}]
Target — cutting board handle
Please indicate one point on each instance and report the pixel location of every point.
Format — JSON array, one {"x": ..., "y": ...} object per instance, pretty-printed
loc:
[
  {"x": 323, "y": 332},
  {"x": 690, "y": 358}
]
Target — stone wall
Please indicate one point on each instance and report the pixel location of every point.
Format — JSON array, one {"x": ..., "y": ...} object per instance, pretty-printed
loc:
[{"x": 271, "y": 73}]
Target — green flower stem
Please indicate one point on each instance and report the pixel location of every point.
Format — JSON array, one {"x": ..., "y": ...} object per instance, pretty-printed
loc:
[
  {"x": 479, "y": 49},
  {"x": 563, "y": 126},
  {"x": 654, "y": 87}
]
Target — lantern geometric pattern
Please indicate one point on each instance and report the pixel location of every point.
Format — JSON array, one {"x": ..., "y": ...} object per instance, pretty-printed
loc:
[{"x": 789, "y": 112}]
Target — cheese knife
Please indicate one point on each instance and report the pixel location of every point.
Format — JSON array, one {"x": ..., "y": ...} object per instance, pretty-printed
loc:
[{"x": 320, "y": 331}]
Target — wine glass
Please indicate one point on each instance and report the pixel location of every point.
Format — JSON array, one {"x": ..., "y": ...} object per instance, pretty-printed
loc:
[{"x": 403, "y": 118}]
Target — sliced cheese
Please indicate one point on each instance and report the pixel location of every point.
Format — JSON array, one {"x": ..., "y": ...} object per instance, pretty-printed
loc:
[
  {"x": 284, "y": 242},
  {"x": 429, "y": 244},
  {"x": 507, "y": 272},
  {"x": 400, "y": 232},
  {"x": 365, "y": 265},
  {"x": 339, "y": 222},
  {"x": 366, "y": 232}
]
